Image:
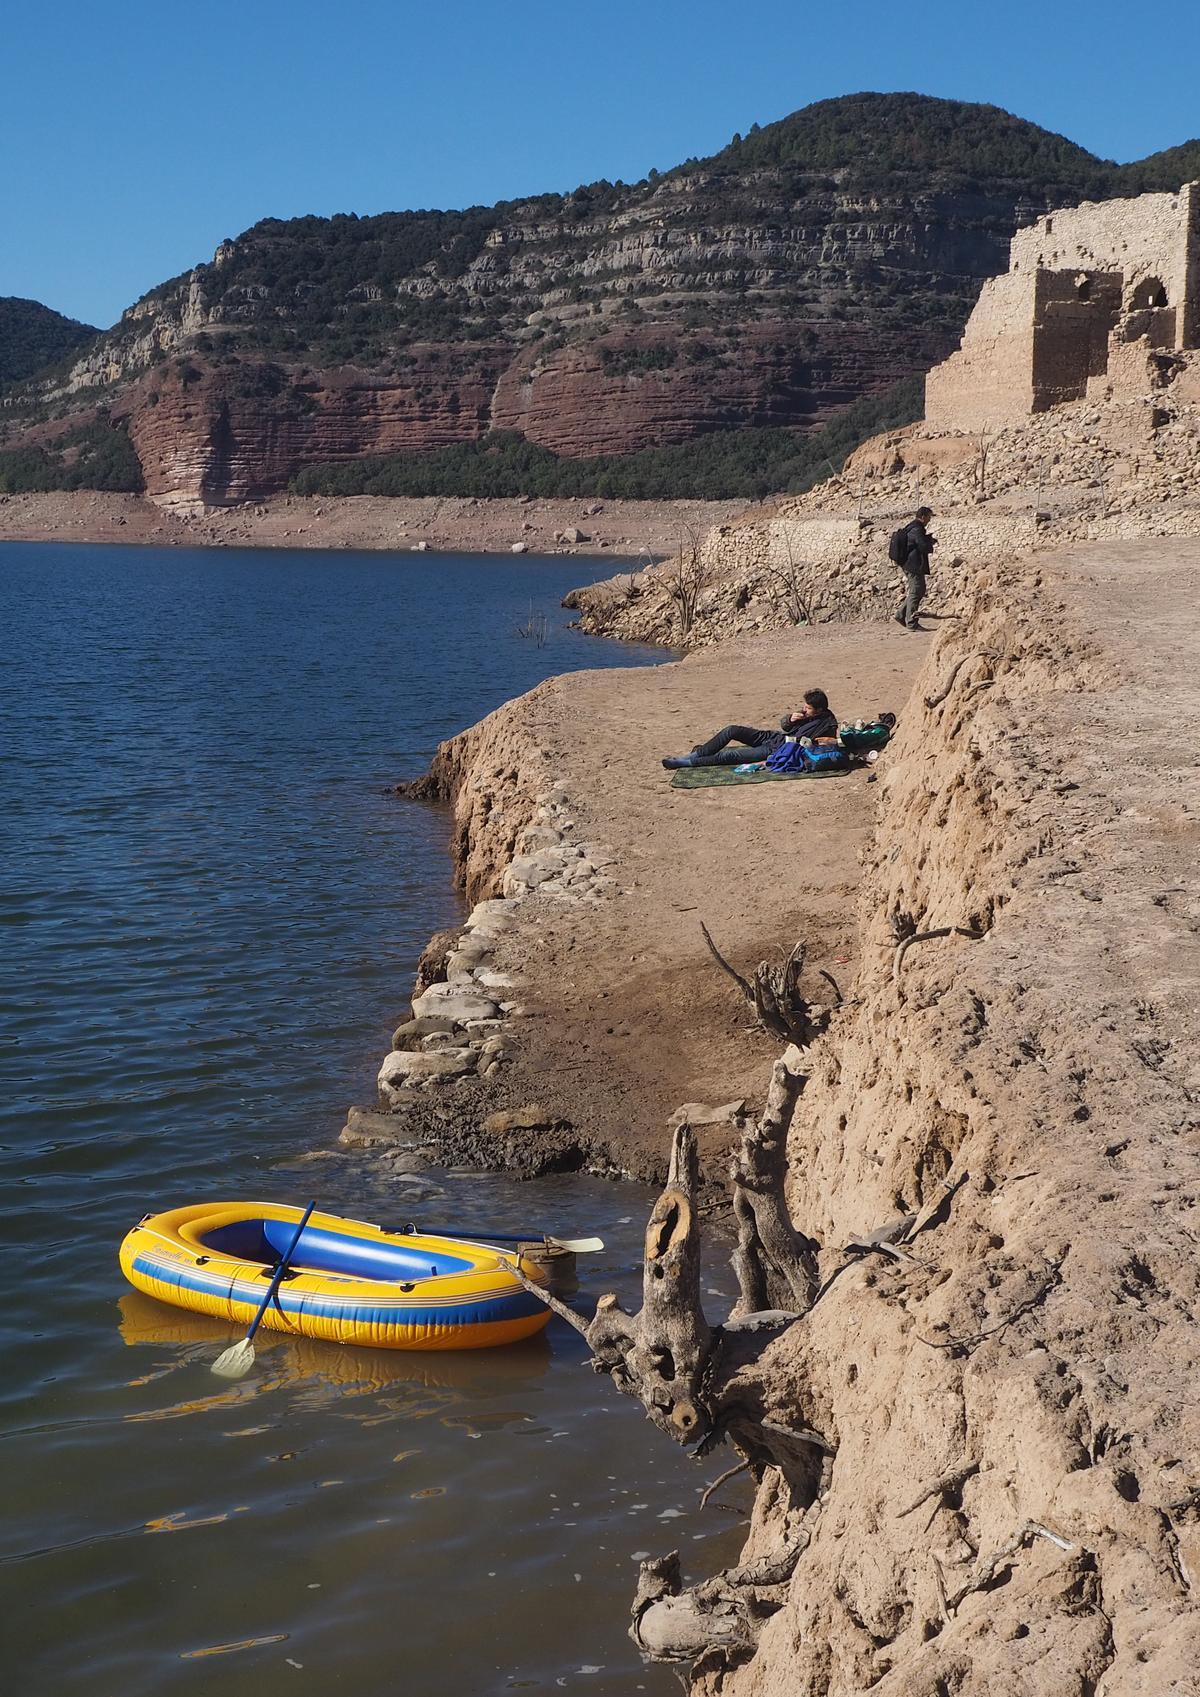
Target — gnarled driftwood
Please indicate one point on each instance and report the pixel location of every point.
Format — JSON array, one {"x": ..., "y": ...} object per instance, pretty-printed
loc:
[
  {"x": 770, "y": 1252},
  {"x": 703, "y": 1384}
]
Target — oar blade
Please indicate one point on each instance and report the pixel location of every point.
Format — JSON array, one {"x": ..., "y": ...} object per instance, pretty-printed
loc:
[
  {"x": 236, "y": 1361},
  {"x": 580, "y": 1245}
]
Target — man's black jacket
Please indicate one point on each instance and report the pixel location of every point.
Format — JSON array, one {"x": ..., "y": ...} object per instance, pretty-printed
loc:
[
  {"x": 920, "y": 546},
  {"x": 816, "y": 725}
]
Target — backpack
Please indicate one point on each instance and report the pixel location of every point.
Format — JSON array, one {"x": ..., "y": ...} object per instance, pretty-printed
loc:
[
  {"x": 899, "y": 547},
  {"x": 861, "y": 739},
  {"x": 813, "y": 757}
]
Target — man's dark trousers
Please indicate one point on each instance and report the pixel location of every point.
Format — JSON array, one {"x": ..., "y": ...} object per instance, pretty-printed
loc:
[
  {"x": 914, "y": 595},
  {"x": 715, "y": 751}
]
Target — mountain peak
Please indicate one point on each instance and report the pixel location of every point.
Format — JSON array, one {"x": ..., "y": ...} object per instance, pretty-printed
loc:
[{"x": 907, "y": 132}]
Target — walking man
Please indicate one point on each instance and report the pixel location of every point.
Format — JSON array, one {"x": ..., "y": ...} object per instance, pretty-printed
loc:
[{"x": 915, "y": 546}]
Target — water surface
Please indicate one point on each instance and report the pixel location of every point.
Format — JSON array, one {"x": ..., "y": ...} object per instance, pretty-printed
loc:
[{"x": 208, "y": 921}]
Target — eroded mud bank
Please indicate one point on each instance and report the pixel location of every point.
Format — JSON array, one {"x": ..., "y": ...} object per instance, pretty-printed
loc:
[{"x": 1014, "y": 1502}]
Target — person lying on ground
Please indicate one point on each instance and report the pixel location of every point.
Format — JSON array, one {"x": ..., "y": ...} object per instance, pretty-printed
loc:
[{"x": 815, "y": 719}]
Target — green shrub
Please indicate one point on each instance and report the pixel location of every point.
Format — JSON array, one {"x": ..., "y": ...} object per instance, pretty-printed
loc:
[
  {"x": 98, "y": 455},
  {"x": 33, "y": 337}
]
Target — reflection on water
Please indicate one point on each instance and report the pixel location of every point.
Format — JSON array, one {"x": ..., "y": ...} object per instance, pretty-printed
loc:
[
  {"x": 210, "y": 911},
  {"x": 320, "y": 1373}
]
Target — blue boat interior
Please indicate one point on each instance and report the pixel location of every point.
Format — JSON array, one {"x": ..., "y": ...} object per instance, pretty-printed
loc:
[{"x": 323, "y": 1251}]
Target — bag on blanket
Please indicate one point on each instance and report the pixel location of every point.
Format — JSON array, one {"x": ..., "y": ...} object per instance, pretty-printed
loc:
[
  {"x": 861, "y": 739},
  {"x": 808, "y": 757}
]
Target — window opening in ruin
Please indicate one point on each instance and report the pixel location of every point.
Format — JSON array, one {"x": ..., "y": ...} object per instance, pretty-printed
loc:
[
  {"x": 1083, "y": 288},
  {"x": 1149, "y": 292}
]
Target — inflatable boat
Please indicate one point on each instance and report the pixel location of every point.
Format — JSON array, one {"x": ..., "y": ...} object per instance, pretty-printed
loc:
[{"x": 348, "y": 1282}]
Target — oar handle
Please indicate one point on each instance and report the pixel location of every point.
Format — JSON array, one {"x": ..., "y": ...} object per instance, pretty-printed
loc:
[
  {"x": 578, "y": 1245},
  {"x": 281, "y": 1269},
  {"x": 411, "y": 1230}
]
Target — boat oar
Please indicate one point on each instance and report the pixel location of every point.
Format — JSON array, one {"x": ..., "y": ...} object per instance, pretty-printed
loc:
[
  {"x": 577, "y": 1245},
  {"x": 236, "y": 1361}
]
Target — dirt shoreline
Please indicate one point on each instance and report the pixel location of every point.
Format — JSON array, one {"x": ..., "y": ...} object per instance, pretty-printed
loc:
[
  {"x": 623, "y": 1015},
  {"x": 623, "y": 529}
]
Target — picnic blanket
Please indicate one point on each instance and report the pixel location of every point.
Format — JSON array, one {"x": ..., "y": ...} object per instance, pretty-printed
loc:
[{"x": 709, "y": 777}]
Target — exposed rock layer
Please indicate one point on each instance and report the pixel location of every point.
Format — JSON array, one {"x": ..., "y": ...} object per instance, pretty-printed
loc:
[{"x": 635, "y": 530}]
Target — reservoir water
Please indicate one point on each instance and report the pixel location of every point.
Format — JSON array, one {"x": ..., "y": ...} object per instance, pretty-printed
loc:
[{"x": 210, "y": 910}]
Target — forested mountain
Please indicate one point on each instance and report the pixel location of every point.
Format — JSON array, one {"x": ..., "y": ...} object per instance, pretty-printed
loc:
[
  {"x": 33, "y": 336},
  {"x": 810, "y": 267}
]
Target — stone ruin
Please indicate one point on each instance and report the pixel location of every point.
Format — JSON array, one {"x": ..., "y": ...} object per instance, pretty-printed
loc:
[{"x": 1099, "y": 302}]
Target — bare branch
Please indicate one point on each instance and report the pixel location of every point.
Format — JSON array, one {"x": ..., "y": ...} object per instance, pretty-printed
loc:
[
  {"x": 729, "y": 1473},
  {"x": 801, "y": 1434},
  {"x": 775, "y": 995},
  {"x": 789, "y": 586},
  {"x": 986, "y": 1572},
  {"x": 906, "y": 943},
  {"x": 687, "y": 577},
  {"x": 973, "y": 1338},
  {"x": 976, "y": 654},
  {"x": 543, "y": 1295},
  {"x": 742, "y": 983},
  {"x": 948, "y": 1482}
]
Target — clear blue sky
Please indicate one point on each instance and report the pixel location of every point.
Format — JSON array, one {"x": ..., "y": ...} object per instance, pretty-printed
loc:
[{"x": 135, "y": 136}]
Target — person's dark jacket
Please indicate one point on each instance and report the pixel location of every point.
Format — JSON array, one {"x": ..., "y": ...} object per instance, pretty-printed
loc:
[
  {"x": 920, "y": 546},
  {"x": 816, "y": 725}
]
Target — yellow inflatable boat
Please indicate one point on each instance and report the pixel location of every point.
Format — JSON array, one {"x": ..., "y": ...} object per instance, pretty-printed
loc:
[{"x": 348, "y": 1282}]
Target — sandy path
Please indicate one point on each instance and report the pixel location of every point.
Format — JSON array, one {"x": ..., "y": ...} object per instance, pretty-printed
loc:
[{"x": 633, "y": 1016}]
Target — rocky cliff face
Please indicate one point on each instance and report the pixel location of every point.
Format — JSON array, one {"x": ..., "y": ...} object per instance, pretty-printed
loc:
[
  {"x": 821, "y": 261},
  {"x": 216, "y": 435}
]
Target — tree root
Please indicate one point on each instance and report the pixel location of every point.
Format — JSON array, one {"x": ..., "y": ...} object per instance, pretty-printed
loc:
[
  {"x": 729, "y": 1473},
  {"x": 775, "y": 995},
  {"x": 948, "y": 1482},
  {"x": 972, "y": 1338},
  {"x": 932, "y": 701},
  {"x": 986, "y": 1573},
  {"x": 906, "y": 943},
  {"x": 770, "y": 1251},
  {"x": 723, "y": 1614},
  {"x": 673, "y": 1625}
]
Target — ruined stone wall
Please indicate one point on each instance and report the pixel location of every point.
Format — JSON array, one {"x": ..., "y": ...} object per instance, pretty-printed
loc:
[
  {"x": 785, "y": 569},
  {"x": 989, "y": 381},
  {"x": 1146, "y": 240},
  {"x": 1074, "y": 315},
  {"x": 1189, "y": 311},
  {"x": 1081, "y": 284}
]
